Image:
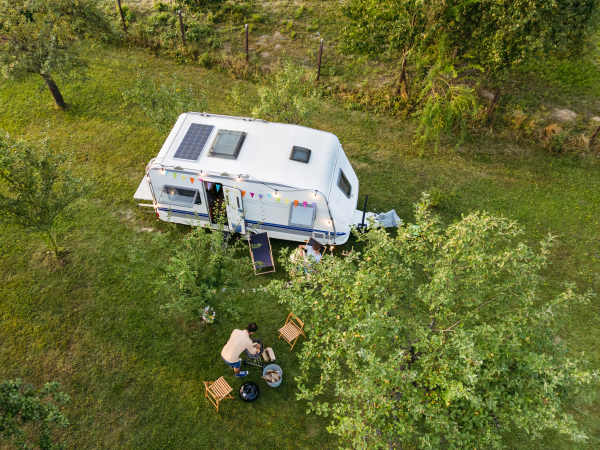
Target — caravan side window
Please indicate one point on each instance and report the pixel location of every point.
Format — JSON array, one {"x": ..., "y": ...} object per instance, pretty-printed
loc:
[
  {"x": 178, "y": 196},
  {"x": 344, "y": 184},
  {"x": 301, "y": 216}
]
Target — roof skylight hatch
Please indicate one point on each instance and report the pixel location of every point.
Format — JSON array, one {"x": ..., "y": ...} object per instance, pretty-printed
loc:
[
  {"x": 227, "y": 144},
  {"x": 300, "y": 154}
]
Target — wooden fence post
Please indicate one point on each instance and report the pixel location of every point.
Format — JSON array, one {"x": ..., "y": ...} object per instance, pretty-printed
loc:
[
  {"x": 319, "y": 66},
  {"x": 247, "y": 54},
  {"x": 181, "y": 26},
  {"x": 122, "y": 18}
]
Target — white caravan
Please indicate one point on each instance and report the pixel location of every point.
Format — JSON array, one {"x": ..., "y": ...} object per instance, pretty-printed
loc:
[{"x": 292, "y": 181}]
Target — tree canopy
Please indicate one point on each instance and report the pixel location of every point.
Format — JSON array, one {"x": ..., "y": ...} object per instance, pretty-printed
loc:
[
  {"x": 488, "y": 34},
  {"x": 37, "y": 37},
  {"x": 290, "y": 98},
  {"x": 36, "y": 185},
  {"x": 437, "y": 338}
]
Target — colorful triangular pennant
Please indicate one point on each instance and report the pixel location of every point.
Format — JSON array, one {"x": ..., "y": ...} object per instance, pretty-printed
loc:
[
  {"x": 166, "y": 172},
  {"x": 174, "y": 175},
  {"x": 218, "y": 186},
  {"x": 192, "y": 180},
  {"x": 243, "y": 193},
  {"x": 252, "y": 194},
  {"x": 314, "y": 205},
  {"x": 268, "y": 195},
  {"x": 278, "y": 199},
  {"x": 295, "y": 203},
  {"x": 183, "y": 176},
  {"x": 304, "y": 204},
  {"x": 287, "y": 201},
  {"x": 209, "y": 186},
  {"x": 260, "y": 196}
]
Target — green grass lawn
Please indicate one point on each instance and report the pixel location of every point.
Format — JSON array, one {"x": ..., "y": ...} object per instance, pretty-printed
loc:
[{"x": 134, "y": 375}]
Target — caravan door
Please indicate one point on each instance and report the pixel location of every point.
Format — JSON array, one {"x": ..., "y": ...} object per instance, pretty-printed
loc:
[{"x": 235, "y": 210}]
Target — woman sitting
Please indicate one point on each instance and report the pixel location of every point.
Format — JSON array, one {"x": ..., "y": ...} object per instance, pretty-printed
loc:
[{"x": 312, "y": 252}]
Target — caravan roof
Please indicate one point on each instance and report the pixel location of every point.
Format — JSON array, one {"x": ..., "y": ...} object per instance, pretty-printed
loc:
[{"x": 243, "y": 146}]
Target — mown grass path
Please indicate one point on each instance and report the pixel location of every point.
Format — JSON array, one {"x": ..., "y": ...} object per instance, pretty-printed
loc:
[{"x": 135, "y": 376}]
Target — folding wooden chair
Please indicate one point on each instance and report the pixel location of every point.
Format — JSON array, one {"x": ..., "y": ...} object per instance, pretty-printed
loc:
[
  {"x": 261, "y": 253},
  {"x": 290, "y": 331},
  {"x": 218, "y": 390}
]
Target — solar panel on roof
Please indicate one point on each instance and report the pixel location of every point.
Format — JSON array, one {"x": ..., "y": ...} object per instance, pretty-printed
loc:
[{"x": 193, "y": 142}]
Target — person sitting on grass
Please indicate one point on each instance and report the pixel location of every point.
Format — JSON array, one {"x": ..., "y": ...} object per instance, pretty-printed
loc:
[{"x": 237, "y": 343}]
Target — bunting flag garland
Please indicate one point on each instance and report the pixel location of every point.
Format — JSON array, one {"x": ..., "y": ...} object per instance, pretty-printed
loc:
[
  {"x": 269, "y": 195},
  {"x": 287, "y": 201},
  {"x": 183, "y": 176},
  {"x": 304, "y": 204},
  {"x": 174, "y": 175},
  {"x": 218, "y": 186},
  {"x": 252, "y": 194},
  {"x": 192, "y": 180},
  {"x": 314, "y": 205},
  {"x": 260, "y": 196},
  {"x": 209, "y": 186},
  {"x": 278, "y": 200},
  {"x": 243, "y": 193},
  {"x": 166, "y": 172},
  {"x": 295, "y": 203}
]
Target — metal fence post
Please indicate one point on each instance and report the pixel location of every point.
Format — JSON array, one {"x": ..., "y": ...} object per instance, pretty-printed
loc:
[
  {"x": 122, "y": 18},
  {"x": 320, "y": 53},
  {"x": 247, "y": 55},
  {"x": 181, "y": 26}
]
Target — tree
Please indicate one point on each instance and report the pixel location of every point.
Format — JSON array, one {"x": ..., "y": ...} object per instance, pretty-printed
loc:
[
  {"x": 163, "y": 102},
  {"x": 379, "y": 27},
  {"x": 21, "y": 404},
  {"x": 290, "y": 98},
  {"x": 493, "y": 36},
  {"x": 200, "y": 268},
  {"x": 38, "y": 37},
  {"x": 498, "y": 36},
  {"x": 438, "y": 338},
  {"x": 36, "y": 185}
]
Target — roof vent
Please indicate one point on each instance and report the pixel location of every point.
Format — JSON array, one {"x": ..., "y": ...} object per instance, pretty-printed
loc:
[
  {"x": 300, "y": 154},
  {"x": 227, "y": 144}
]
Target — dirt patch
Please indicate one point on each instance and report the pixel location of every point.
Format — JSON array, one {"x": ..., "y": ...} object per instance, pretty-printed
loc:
[{"x": 564, "y": 115}]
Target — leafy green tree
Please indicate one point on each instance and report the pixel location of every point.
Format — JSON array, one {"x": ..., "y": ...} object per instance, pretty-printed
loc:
[
  {"x": 201, "y": 266},
  {"x": 394, "y": 27},
  {"x": 438, "y": 338},
  {"x": 289, "y": 98},
  {"x": 498, "y": 36},
  {"x": 21, "y": 404},
  {"x": 37, "y": 36},
  {"x": 36, "y": 185},
  {"x": 161, "y": 101}
]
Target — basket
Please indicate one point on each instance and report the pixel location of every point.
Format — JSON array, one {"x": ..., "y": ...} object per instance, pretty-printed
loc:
[{"x": 278, "y": 369}]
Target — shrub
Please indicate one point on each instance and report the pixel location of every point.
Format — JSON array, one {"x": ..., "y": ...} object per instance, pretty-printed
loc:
[
  {"x": 206, "y": 60},
  {"x": 299, "y": 12},
  {"x": 160, "y": 6},
  {"x": 196, "y": 31}
]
